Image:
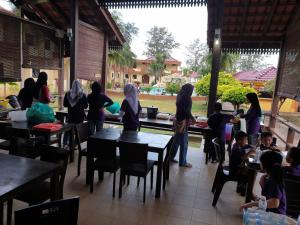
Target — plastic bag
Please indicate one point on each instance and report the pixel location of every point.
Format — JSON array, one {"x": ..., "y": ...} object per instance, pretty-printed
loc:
[
  {"x": 228, "y": 131},
  {"x": 40, "y": 113},
  {"x": 243, "y": 125},
  {"x": 18, "y": 116},
  {"x": 114, "y": 108}
]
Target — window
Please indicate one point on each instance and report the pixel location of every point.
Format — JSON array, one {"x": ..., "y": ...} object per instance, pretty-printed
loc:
[
  {"x": 173, "y": 64},
  {"x": 134, "y": 76},
  {"x": 112, "y": 75},
  {"x": 118, "y": 76},
  {"x": 126, "y": 76}
]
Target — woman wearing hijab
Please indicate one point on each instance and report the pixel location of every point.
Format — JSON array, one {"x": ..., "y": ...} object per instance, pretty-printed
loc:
[
  {"x": 76, "y": 102},
  {"x": 130, "y": 108},
  {"x": 252, "y": 116},
  {"x": 25, "y": 96},
  {"x": 182, "y": 119},
  {"x": 97, "y": 102},
  {"x": 41, "y": 90}
]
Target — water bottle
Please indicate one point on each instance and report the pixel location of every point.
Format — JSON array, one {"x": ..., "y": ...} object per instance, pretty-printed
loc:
[
  {"x": 262, "y": 203},
  {"x": 257, "y": 154}
]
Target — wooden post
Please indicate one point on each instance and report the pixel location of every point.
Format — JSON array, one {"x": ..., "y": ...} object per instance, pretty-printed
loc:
[
  {"x": 104, "y": 63},
  {"x": 74, "y": 40},
  {"x": 61, "y": 79},
  {"x": 290, "y": 138},
  {"x": 215, "y": 68},
  {"x": 275, "y": 102}
]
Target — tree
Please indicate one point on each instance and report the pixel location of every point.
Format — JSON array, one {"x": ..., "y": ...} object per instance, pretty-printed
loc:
[
  {"x": 251, "y": 62},
  {"x": 160, "y": 42},
  {"x": 270, "y": 86},
  {"x": 196, "y": 56},
  {"x": 173, "y": 88},
  {"x": 225, "y": 80},
  {"x": 236, "y": 95},
  {"x": 158, "y": 66},
  {"x": 129, "y": 30},
  {"x": 228, "y": 63}
]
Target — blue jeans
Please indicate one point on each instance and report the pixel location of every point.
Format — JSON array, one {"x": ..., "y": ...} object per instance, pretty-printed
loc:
[
  {"x": 95, "y": 124},
  {"x": 180, "y": 140}
]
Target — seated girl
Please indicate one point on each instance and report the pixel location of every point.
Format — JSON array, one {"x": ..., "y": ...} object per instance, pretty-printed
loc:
[
  {"x": 272, "y": 183},
  {"x": 293, "y": 158}
]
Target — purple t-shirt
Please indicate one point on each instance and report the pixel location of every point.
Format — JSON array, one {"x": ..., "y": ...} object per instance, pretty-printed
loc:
[
  {"x": 293, "y": 170},
  {"x": 272, "y": 189}
]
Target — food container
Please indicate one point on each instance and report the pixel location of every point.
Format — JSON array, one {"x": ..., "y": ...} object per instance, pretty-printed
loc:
[{"x": 152, "y": 112}]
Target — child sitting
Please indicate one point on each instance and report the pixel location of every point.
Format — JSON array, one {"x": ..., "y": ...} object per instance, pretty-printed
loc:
[
  {"x": 272, "y": 184},
  {"x": 293, "y": 158},
  {"x": 240, "y": 151},
  {"x": 266, "y": 140}
]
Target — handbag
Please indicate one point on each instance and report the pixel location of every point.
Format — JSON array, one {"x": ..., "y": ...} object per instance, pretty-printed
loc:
[{"x": 180, "y": 126}]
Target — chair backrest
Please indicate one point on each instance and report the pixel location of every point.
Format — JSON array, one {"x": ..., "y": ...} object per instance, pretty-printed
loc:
[
  {"x": 218, "y": 150},
  {"x": 104, "y": 149},
  {"x": 83, "y": 131},
  {"x": 292, "y": 187},
  {"x": 62, "y": 212},
  {"x": 56, "y": 155},
  {"x": 133, "y": 153}
]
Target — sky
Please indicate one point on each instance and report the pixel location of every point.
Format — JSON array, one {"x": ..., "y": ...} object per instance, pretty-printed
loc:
[{"x": 186, "y": 24}]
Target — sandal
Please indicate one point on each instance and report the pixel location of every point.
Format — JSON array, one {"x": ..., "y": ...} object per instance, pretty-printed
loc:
[{"x": 188, "y": 165}]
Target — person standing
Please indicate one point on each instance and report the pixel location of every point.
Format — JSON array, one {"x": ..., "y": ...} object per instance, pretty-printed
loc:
[
  {"x": 25, "y": 96},
  {"x": 41, "y": 91},
  {"x": 130, "y": 108},
  {"x": 97, "y": 101},
  {"x": 76, "y": 102},
  {"x": 252, "y": 117},
  {"x": 182, "y": 119}
]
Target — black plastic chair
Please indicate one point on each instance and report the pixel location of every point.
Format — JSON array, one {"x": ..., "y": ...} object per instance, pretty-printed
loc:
[
  {"x": 105, "y": 159},
  {"x": 82, "y": 132},
  {"x": 23, "y": 144},
  {"x": 292, "y": 187},
  {"x": 222, "y": 174},
  {"x": 134, "y": 162},
  {"x": 62, "y": 212}
]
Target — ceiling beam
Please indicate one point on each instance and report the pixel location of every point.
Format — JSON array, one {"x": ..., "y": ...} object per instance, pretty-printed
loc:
[
  {"x": 270, "y": 17},
  {"x": 244, "y": 18},
  {"x": 34, "y": 9},
  {"x": 60, "y": 11}
]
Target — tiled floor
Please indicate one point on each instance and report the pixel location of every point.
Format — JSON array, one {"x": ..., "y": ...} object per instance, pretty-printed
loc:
[{"x": 186, "y": 200}]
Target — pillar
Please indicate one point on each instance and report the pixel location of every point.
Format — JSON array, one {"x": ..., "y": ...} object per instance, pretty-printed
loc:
[
  {"x": 104, "y": 63},
  {"x": 74, "y": 40}
]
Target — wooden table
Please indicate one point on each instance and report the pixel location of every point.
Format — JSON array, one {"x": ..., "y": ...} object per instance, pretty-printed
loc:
[
  {"x": 19, "y": 174},
  {"x": 159, "y": 124},
  {"x": 157, "y": 143},
  {"x": 47, "y": 135}
]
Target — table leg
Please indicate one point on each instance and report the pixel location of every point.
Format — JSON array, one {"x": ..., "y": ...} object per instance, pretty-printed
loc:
[
  {"x": 9, "y": 211},
  {"x": 54, "y": 182},
  {"x": 1, "y": 212},
  {"x": 89, "y": 161},
  {"x": 71, "y": 145},
  {"x": 159, "y": 174},
  {"x": 250, "y": 184}
]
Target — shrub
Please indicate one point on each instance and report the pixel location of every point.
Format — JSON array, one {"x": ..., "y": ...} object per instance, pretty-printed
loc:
[
  {"x": 146, "y": 89},
  {"x": 173, "y": 88},
  {"x": 236, "y": 95},
  {"x": 108, "y": 85}
]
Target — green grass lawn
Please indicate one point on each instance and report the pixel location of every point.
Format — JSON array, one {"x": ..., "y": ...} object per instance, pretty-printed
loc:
[{"x": 199, "y": 107}]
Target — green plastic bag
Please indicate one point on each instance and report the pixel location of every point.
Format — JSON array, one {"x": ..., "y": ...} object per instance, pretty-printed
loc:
[
  {"x": 40, "y": 113},
  {"x": 114, "y": 108}
]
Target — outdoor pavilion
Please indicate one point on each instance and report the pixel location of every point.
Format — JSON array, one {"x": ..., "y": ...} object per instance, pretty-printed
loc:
[{"x": 48, "y": 31}]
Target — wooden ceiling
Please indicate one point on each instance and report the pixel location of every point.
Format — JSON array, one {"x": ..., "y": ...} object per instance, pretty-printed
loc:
[
  {"x": 56, "y": 13},
  {"x": 252, "y": 26}
]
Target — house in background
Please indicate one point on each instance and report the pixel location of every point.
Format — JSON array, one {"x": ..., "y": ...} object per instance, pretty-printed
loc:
[
  {"x": 194, "y": 77},
  {"x": 140, "y": 73},
  {"x": 256, "y": 78}
]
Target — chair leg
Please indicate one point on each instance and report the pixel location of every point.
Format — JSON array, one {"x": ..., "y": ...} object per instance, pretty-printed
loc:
[
  {"x": 100, "y": 175},
  {"x": 114, "y": 185},
  {"x": 215, "y": 181},
  {"x": 128, "y": 180},
  {"x": 79, "y": 164},
  {"x": 9, "y": 211},
  {"x": 144, "y": 195},
  {"x": 151, "y": 181},
  {"x": 120, "y": 184},
  {"x": 92, "y": 181},
  {"x": 218, "y": 191},
  {"x": 138, "y": 181}
]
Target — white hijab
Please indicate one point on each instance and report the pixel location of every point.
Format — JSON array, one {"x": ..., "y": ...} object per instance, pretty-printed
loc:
[
  {"x": 75, "y": 93},
  {"x": 131, "y": 97}
]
